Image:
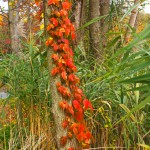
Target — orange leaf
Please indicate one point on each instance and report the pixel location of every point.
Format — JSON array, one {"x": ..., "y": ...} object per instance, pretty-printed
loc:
[
  {"x": 54, "y": 2},
  {"x": 50, "y": 26},
  {"x": 55, "y": 57},
  {"x": 63, "y": 104},
  {"x": 37, "y": 2},
  {"x": 64, "y": 75},
  {"x": 63, "y": 12},
  {"x": 66, "y": 5},
  {"x": 71, "y": 148}
]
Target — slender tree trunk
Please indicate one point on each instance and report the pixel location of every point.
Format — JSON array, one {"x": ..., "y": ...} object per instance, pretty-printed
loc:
[
  {"x": 13, "y": 20},
  {"x": 77, "y": 18},
  {"x": 58, "y": 114},
  {"x": 84, "y": 17},
  {"x": 104, "y": 10},
  {"x": 78, "y": 13},
  {"x": 132, "y": 20},
  {"x": 95, "y": 31}
]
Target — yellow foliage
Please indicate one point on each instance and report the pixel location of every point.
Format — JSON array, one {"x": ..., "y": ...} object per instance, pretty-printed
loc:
[
  {"x": 1, "y": 18},
  {"x": 41, "y": 26}
]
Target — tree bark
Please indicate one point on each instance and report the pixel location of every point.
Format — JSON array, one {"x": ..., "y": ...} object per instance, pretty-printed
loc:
[
  {"x": 104, "y": 10},
  {"x": 132, "y": 20},
  {"x": 13, "y": 21},
  {"x": 58, "y": 114},
  {"x": 94, "y": 30},
  {"x": 84, "y": 18}
]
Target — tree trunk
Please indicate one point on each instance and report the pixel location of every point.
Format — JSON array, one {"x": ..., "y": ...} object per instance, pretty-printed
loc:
[
  {"x": 58, "y": 114},
  {"x": 132, "y": 20},
  {"x": 84, "y": 17},
  {"x": 104, "y": 10},
  {"x": 78, "y": 13},
  {"x": 13, "y": 21},
  {"x": 95, "y": 31}
]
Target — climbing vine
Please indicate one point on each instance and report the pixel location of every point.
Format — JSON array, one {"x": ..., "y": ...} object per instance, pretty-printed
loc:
[{"x": 74, "y": 103}]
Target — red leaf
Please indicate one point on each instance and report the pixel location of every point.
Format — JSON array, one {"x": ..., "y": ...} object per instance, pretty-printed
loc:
[
  {"x": 55, "y": 46},
  {"x": 65, "y": 124},
  {"x": 81, "y": 136},
  {"x": 79, "y": 91},
  {"x": 73, "y": 78},
  {"x": 64, "y": 75},
  {"x": 75, "y": 131},
  {"x": 76, "y": 104},
  {"x": 73, "y": 36},
  {"x": 55, "y": 71},
  {"x": 54, "y": 21},
  {"x": 77, "y": 96},
  {"x": 87, "y": 104},
  {"x": 88, "y": 135},
  {"x": 67, "y": 21},
  {"x": 65, "y": 41},
  {"x": 81, "y": 127},
  {"x": 79, "y": 117},
  {"x": 69, "y": 63},
  {"x": 64, "y": 91},
  {"x": 71, "y": 110},
  {"x": 63, "y": 140}
]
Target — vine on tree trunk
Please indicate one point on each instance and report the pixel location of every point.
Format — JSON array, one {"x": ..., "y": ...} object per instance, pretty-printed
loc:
[{"x": 74, "y": 103}]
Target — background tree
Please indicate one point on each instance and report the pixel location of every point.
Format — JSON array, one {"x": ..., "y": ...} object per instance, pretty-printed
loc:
[
  {"x": 95, "y": 31},
  {"x": 132, "y": 20}
]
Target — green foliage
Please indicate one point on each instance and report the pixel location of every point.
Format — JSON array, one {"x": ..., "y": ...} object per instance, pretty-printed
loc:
[{"x": 123, "y": 81}]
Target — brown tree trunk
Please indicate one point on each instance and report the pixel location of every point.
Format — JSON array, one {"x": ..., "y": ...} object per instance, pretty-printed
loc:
[
  {"x": 58, "y": 114},
  {"x": 95, "y": 31},
  {"x": 13, "y": 21},
  {"x": 132, "y": 20},
  {"x": 77, "y": 18},
  {"x": 104, "y": 10},
  {"x": 84, "y": 17},
  {"x": 78, "y": 13}
]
